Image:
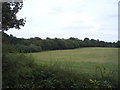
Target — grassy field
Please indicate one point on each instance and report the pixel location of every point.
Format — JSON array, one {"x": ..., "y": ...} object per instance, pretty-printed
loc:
[
  {"x": 70, "y": 69},
  {"x": 84, "y": 60}
]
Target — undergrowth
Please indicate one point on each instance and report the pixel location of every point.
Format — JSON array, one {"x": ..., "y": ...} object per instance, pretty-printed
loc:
[{"x": 20, "y": 71}]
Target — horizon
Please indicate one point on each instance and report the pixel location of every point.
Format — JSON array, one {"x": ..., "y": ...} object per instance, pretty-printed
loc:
[
  {"x": 63, "y": 38},
  {"x": 67, "y": 18}
]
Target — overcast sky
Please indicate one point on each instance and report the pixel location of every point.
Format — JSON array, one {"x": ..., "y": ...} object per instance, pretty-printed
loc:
[{"x": 95, "y": 19}]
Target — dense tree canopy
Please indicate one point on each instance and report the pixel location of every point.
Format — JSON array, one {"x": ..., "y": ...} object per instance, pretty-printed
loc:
[
  {"x": 9, "y": 18},
  {"x": 37, "y": 44}
]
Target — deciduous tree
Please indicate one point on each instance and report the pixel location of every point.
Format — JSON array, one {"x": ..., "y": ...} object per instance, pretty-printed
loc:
[{"x": 9, "y": 18}]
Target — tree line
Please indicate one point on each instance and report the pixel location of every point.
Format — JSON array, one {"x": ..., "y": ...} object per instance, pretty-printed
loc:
[{"x": 36, "y": 44}]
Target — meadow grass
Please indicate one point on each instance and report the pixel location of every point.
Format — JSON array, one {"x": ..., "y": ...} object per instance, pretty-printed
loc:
[
  {"x": 81, "y": 59},
  {"x": 70, "y": 69}
]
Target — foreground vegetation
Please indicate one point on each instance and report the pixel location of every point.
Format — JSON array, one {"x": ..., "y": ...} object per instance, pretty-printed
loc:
[{"x": 20, "y": 71}]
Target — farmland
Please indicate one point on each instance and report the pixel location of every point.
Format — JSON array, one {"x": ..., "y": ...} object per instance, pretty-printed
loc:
[
  {"x": 81, "y": 59},
  {"x": 92, "y": 67}
]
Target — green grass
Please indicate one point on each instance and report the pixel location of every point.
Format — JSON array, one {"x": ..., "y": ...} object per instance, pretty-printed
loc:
[
  {"x": 80, "y": 60},
  {"x": 69, "y": 69}
]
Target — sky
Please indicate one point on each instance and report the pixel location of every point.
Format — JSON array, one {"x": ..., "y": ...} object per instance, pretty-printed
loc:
[{"x": 95, "y": 19}]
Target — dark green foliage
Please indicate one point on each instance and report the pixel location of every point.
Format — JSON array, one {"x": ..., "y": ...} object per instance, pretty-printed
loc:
[
  {"x": 34, "y": 48},
  {"x": 20, "y": 71},
  {"x": 117, "y": 44},
  {"x": 13, "y": 44},
  {"x": 9, "y": 18},
  {"x": 16, "y": 67},
  {"x": 8, "y": 48}
]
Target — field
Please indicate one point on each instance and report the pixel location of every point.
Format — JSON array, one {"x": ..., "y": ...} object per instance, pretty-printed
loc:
[
  {"x": 85, "y": 60},
  {"x": 70, "y": 69}
]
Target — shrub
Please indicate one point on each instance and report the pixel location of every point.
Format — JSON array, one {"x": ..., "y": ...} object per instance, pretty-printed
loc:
[
  {"x": 15, "y": 67},
  {"x": 20, "y": 71}
]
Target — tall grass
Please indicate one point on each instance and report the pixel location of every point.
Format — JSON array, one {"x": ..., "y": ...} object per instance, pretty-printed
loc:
[
  {"x": 16, "y": 67},
  {"x": 83, "y": 62},
  {"x": 21, "y": 71}
]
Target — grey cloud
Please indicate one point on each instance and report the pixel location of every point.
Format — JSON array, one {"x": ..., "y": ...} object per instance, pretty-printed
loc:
[
  {"x": 56, "y": 10},
  {"x": 78, "y": 27}
]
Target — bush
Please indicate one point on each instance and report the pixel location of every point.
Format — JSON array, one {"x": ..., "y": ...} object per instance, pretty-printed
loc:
[
  {"x": 15, "y": 67},
  {"x": 20, "y": 71}
]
